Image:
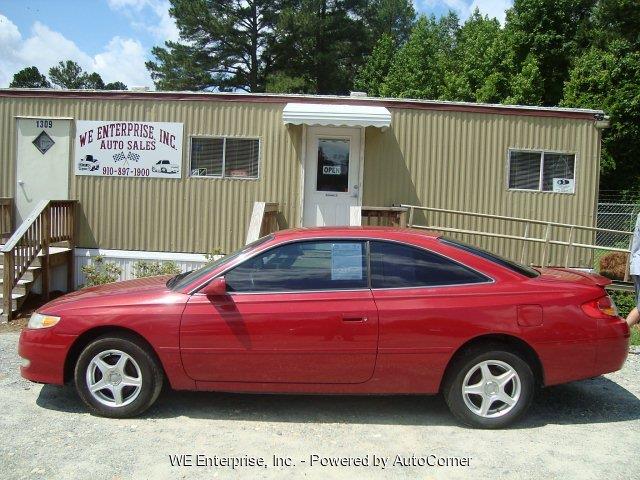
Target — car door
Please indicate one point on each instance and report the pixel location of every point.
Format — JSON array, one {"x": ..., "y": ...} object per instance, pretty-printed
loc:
[{"x": 300, "y": 312}]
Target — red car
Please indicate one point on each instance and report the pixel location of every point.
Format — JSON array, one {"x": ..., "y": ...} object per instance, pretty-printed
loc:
[{"x": 334, "y": 311}]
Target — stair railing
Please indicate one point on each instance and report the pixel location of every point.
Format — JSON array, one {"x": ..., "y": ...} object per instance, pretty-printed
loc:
[
  {"x": 50, "y": 222},
  {"x": 6, "y": 217}
]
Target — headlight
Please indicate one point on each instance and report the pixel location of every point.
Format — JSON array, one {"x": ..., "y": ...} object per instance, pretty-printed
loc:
[{"x": 38, "y": 320}]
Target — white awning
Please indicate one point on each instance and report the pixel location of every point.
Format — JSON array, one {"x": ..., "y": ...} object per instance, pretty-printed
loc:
[{"x": 327, "y": 114}]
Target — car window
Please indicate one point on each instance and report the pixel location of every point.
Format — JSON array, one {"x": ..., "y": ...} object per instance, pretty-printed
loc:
[
  {"x": 394, "y": 265},
  {"x": 312, "y": 265}
]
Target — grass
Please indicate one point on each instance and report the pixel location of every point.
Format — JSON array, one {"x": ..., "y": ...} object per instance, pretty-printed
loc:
[{"x": 635, "y": 335}]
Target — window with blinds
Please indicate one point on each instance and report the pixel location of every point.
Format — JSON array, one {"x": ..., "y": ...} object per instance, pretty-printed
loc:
[
  {"x": 541, "y": 171},
  {"x": 225, "y": 157}
]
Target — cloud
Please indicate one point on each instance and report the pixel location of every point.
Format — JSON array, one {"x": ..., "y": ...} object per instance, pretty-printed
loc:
[
  {"x": 121, "y": 59},
  {"x": 464, "y": 8},
  {"x": 151, "y": 16}
]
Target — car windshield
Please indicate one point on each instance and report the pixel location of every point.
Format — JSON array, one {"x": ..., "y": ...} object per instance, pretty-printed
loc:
[
  {"x": 183, "y": 279},
  {"x": 511, "y": 265}
]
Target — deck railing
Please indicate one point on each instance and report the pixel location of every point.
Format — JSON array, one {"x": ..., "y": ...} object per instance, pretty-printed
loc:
[
  {"x": 264, "y": 220},
  {"x": 6, "y": 217},
  {"x": 50, "y": 222},
  {"x": 568, "y": 241},
  {"x": 378, "y": 216}
]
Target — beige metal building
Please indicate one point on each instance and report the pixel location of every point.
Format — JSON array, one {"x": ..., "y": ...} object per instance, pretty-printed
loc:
[{"x": 162, "y": 173}]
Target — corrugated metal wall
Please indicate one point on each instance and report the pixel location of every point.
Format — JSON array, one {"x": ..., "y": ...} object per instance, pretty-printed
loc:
[
  {"x": 186, "y": 215},
  {"x": 458, "y": 161},
  {"x": 454, "y": 160}
]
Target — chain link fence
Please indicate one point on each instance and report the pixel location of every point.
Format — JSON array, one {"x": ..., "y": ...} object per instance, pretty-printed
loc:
[{"x": 614, "y": 216}]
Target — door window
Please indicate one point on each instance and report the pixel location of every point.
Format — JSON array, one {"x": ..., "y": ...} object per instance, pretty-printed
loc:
[
  {"x": 333, "y": 165},
  {"x": 395, "y": 265},
  {"x": 322, "y": 265}
]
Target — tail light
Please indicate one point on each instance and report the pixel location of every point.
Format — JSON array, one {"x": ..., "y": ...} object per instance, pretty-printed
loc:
[{"x": 602, "y": 307}]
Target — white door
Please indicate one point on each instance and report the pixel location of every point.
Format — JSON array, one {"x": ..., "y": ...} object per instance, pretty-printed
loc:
[
  {"x": 42, "y": 169},
  {"x": 331, "y": 175}
]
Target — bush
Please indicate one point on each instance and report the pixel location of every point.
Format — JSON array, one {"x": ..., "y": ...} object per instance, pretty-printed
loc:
[
  {"x": 143, "y": 269},
  {"x": 625, "y": 301},
  {"x": 99, "y": 272},
  {"x": 211, "y": 257},
  {"x": 613, "y": 265}
]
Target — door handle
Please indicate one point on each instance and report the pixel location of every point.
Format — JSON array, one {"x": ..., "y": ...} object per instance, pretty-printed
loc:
[{"x": 354, "y": 319}]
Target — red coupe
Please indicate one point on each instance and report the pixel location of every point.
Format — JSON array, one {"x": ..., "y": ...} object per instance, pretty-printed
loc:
[{"x": 334, "y": 311}]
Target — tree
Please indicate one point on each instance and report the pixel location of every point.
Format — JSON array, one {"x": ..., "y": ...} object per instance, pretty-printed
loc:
[
  {"x": 527, "y": 86},
  {"x": 320, "y": 44},
  {"x": 610, "y": 80},
  {"x": 376, "y": 68},
  {"x": 67, "y": 75},
  {"x": 115, "y": 86},
  {"x": 224, "y": 45},
  {"x": 389, "y": 17},
  {"x": 29, "y": 77},
  {"x": 551, "y": 31},
  {"x": 420, "y": 66}
]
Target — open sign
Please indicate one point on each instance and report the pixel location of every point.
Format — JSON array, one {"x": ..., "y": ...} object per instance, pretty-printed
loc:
[{"x": 331, "y": 170}]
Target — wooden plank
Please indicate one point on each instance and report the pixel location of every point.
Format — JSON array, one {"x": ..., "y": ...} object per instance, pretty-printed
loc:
[
  {"x": 355, "y": 215},
  {"x": 255, "y": 224}
]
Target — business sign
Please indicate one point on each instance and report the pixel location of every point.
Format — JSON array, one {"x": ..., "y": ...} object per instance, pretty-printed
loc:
[
  {"x": 128, "y": 149},
  {"x": 331, "y": 170},
  {"x": 563, "y": 185}
]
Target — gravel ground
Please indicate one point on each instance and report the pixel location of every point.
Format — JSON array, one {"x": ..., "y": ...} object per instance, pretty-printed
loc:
[{"x": 587, "y": 430}]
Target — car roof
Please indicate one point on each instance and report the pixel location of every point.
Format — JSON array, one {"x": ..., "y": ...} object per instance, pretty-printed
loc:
[{"x": 395, "y": 233}]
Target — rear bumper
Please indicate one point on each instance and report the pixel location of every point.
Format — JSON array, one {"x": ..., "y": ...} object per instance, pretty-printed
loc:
[{"x": 44, "y": 353}]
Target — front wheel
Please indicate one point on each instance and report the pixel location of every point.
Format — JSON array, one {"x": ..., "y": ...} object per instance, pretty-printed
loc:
[
  {"x": 489, "y": 389},
  {"x": 117, "y": 377}
]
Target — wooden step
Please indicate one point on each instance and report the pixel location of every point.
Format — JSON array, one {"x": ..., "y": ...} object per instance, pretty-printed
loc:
[
  {"x": 30, "y": 275},
  {"x": 22, "y": 286}
]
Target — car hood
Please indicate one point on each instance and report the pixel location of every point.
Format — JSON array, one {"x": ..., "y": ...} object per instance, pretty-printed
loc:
[{"x": 138, "y": 288}]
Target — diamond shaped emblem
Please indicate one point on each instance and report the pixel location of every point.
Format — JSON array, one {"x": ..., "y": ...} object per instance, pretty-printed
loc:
[{"x": 43, "y": 142}]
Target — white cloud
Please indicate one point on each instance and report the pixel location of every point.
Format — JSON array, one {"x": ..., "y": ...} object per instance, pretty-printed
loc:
[
  {"x": 122, "y": 58},
  {"x": 151, "y": 16},
  {"x": 464, "y": 8}
]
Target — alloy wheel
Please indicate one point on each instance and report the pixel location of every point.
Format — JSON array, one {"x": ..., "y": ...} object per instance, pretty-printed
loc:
[
  {"x": 491, "y": 388},
  {"x": 114, "y": 378}
]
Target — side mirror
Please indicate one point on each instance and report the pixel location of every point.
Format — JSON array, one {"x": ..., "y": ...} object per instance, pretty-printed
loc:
[{"x": 216, "y": 287}]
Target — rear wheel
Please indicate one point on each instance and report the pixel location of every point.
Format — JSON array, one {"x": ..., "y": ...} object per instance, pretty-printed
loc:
[
  {"x": 117, "y": 377},
  {"x": 489, "y": 388}
]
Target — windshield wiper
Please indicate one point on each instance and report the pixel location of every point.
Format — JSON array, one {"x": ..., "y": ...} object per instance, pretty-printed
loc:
[{"x": 175, "y": 279}]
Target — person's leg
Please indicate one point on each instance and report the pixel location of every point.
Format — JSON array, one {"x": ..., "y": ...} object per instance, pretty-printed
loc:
[{"x": 634, "y": 315}]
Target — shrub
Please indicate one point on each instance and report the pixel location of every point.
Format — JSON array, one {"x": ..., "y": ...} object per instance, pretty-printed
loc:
[
  {"x": 99, "y": 272},
  {"x": 143, "y": 269},
  {"x": 625, "y": 301},
  {"x": 211, "y": 257},
  {"x": 613, "y": 265}
]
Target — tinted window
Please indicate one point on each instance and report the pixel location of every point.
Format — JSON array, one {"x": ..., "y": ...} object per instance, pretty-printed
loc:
[
  {"x": 326, "y": 265},
  {"x": 511, "y": 265},
  {"x": 394, "y": 265}
]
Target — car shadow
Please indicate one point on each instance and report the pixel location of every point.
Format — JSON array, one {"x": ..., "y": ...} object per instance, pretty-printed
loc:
[{"x": 597, "y": 400}]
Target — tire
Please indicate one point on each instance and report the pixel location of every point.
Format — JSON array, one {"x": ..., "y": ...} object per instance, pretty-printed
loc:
[
  {"x": 163, "y": 170},
  {"x": 487, "y": 371},
  {"x": 118, "y": 364}
]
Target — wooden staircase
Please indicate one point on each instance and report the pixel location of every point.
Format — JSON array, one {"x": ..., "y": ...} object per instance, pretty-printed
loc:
[
  {"x": 44, "y": 240},
  {"x": 19, "y": 293}
]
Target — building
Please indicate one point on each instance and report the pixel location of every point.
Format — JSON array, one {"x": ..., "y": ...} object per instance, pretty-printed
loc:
[{"x": 161, "y": 173}]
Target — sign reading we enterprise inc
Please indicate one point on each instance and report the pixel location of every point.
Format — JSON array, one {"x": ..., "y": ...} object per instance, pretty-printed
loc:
[{"x": 128, "y": 149}]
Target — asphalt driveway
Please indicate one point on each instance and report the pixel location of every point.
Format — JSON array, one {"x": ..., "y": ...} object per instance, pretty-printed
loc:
[{"x": 587, "y": 430}]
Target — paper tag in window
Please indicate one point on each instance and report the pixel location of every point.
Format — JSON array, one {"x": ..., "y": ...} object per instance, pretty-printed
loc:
[
  {"x": 331, "y": 170},
  {"x": 346, "y": 261},
  {"x": 563, "y": 185}
]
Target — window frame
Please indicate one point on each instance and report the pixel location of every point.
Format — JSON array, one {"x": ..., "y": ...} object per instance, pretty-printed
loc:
[
  {"x": 367, "y": 245},
  {"x": 224, "y": 138},
  {"x": 489, "y": 279},
  {"x": 542, "y": 153}
]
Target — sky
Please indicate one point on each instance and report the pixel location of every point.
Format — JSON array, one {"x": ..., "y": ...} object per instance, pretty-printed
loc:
[{"x": 115, "y": 37}]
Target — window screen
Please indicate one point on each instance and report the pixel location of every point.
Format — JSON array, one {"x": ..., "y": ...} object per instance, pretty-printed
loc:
[
  {"x": 206, "y": 157},
  {"x": 395, "y": 265},
  {"x": 302, "y": 266},
  {"x": 225, "y": 157},
  {"x": 524, "y": 170},
  {"x": 558, "y": 171},
  {"x": 241, "y": 158}
]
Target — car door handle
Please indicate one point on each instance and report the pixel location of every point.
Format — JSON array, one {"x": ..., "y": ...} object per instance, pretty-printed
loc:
[{"x": 354, "y": 319}]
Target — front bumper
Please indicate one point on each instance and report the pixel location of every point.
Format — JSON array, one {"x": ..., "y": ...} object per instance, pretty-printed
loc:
[{"x": 45, "y": 353}]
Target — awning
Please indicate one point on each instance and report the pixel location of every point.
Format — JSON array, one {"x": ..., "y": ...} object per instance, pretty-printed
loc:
[{"x": 327, "y": 114}]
